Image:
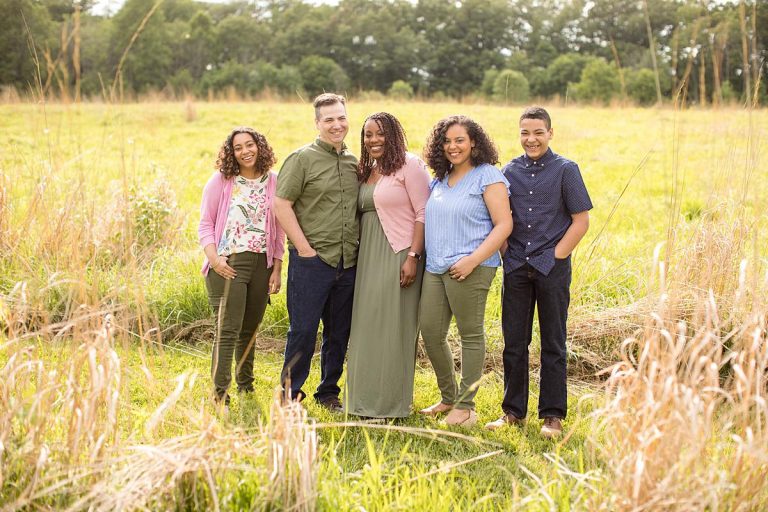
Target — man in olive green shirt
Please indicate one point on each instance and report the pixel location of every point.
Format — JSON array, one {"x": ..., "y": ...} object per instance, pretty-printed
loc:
[{"x": 316, "y": 204}]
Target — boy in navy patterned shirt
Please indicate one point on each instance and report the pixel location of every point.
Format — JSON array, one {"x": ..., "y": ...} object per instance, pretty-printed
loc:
[{"x": 550, "y": 210}]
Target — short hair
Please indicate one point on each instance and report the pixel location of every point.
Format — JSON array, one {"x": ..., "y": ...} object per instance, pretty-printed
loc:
[
  {"x": 536, "y": 112},
  {"x": 484, "y": 152},
  {"x": 395, "y": 147},
  {"x": 325, "y": 99}
]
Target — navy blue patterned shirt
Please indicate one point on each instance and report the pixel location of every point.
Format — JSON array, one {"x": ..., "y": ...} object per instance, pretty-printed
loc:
[{"x": 543, "y": 196}]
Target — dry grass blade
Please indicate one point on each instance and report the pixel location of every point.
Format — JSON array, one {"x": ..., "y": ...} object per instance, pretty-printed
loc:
[{"x": 692, "y": 388}]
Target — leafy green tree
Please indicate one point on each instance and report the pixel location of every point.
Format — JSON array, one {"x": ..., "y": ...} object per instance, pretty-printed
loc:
[
  {"x": 96, "y": 35},
  {"x": 232, "y": 75},
  {"x": 599, "y": 82},
  {"x": 285, "y": 80},
  {"x": 183, "y": 10},
  {"x": 17, "y": 65},
  {"x": 465, "y": 38},
  {"x": 321, "y": 74},
  {"x": 374, "y": 46},
  {"x": 300, "y": 30},
  {"x": 196, "y": 50},
  {"x": 489, "y": 78},
  {"x": 641, "y": 86},
  {"x": 182, "y": 82},
  {"x": 148, "y": 62},
  {"x": 565, "y": 69},
  {"x": 242, "y": 39},
  {"x": 400, "y": 90},
  {"x": 544, "y": 53},
  {"x": 511, "y": 86}
]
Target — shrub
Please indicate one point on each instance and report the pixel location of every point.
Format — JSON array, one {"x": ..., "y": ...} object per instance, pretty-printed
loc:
[
  {"x": 562, "y": 71},
  {"x": 287, "y": 80},
  {"x": 641, "y": 86},
  {"x": 321, "y": 74},
  {"x": 400, "y": 89},
  {"x": 599, "y": 82},
  {"x": 729, "y": 94},
  {"x": 511, "y": 87},
  {"x": 230, "y": 75},
  {"x": 149, "y": 218},
  {"x": 489, "y": 78},
  {"x": 182, "y": 82},
  {"x": 284, "y": 80}
]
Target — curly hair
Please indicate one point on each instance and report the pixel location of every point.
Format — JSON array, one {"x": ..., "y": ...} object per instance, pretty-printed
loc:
[
  {"x": 395, "y": 146},
  {"x": 484, "y": 152},
  {"x": 226, "y": 162}
]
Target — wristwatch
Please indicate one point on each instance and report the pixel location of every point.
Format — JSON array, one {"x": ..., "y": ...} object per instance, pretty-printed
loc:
[{"x": 415, "y": 255}]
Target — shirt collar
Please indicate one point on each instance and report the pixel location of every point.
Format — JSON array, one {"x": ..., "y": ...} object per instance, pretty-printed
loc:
[
  {"x": 541, "y": 162},
  {"x": 329, "y": 147}
]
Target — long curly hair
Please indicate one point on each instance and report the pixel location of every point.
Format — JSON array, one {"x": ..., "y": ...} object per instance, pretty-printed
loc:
[
  {"x": 484, "y": 152},
  {"x": 395, "y": 146},
  {"x": 226, "y": 162}
]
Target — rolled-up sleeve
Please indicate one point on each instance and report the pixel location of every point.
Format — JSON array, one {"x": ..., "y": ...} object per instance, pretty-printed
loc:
[{"x": 290, "y": 180}]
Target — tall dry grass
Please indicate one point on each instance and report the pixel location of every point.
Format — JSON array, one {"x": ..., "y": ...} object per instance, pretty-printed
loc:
[
  {"x": 63, "y": 446},
  {"x": 684, "y": 425}
]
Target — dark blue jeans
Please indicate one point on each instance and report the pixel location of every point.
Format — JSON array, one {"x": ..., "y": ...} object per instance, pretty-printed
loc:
[
  {"x": 524, "y": 289},
  {"x": 317, "y": 291}
]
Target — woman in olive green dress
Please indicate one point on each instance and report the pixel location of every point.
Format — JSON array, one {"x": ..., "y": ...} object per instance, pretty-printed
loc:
[{"x": 394, "y": 187}]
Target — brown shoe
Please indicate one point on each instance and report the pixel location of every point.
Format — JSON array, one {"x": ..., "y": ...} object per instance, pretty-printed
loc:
[
  {"x": 461, "y": 418},
  {"x": 552, "y": 428},
  {"x": 333, "y": 404},
  {"x": 436, "y": 409},
  {"x": 507, "y": 419}
]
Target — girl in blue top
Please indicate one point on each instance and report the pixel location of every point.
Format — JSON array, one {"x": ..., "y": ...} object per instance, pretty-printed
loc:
[{"x": 467, "y": 220}]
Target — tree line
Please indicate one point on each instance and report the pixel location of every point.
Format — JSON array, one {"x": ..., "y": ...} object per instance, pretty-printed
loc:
[{"x": 647, "y": 51}]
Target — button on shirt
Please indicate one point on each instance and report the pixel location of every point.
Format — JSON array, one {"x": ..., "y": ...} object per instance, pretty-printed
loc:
[
  {"x": 323, "y": 187},
  {"x": 544, "y": 194}
]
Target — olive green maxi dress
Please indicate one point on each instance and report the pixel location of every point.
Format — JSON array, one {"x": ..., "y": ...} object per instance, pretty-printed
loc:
[{"x": 385, "y": 323}]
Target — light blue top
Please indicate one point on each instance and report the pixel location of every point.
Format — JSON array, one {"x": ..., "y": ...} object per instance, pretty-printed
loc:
[{"x": 457, "y": 219}]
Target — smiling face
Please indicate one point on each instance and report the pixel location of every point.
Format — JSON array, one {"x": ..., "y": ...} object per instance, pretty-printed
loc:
[
  {"x": 458, "y": 146},
  {"x": 534, "y": 137},
  {"x": 374, "y": 139},
  {"x": 332, "y": 124},
  {"x": 246, "y": 151}
]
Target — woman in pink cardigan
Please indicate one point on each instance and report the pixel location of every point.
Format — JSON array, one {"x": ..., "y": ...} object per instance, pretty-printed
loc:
[
  {"x": 394, "y": 187},
  {"x": 243, "y": 245}
]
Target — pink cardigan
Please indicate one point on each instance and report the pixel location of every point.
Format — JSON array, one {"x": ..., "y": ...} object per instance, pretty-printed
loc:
[
  {"x": 400, "y": 200},
  {"x": 215, "y": 208}
]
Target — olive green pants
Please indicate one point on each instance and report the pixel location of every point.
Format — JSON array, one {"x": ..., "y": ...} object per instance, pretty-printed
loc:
[
  {"x": 239, "y": 306},
  {"x": 442, "y": 298}
]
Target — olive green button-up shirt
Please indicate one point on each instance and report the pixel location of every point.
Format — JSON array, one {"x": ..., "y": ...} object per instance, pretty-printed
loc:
[{"x": 323, "y": 186}]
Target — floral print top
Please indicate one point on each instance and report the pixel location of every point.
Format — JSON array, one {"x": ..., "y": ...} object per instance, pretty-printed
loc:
[{"x": 247, "y": 217}]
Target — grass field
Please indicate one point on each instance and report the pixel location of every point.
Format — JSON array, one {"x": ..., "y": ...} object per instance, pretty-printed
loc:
[{"x": 98, "y": 214}]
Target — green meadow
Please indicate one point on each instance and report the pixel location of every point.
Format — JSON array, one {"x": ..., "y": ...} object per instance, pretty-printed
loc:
[{"x": 105, "y": 331}]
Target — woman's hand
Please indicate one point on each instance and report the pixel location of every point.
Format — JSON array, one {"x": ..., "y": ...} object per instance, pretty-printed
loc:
[
  {"x": 274, "y": 280},
  {"x": 221, "y": 267},
  {"x": 462, "y": 268},
  {"x": 408, "y": 272}
]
